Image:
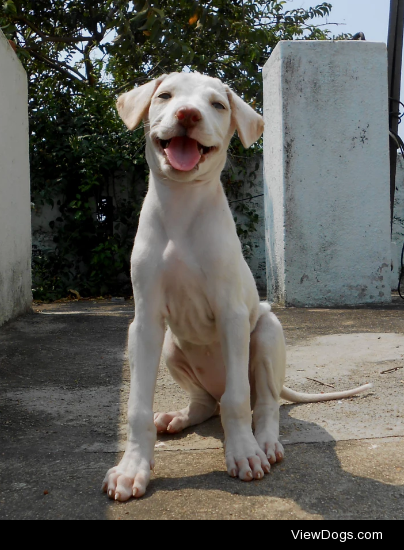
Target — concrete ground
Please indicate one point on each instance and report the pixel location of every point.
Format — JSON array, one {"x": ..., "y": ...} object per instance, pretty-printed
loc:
[{"x": 64, "y": 381}]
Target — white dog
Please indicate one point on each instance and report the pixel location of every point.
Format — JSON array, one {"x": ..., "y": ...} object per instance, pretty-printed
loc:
[{"x": 222, "y": 345}]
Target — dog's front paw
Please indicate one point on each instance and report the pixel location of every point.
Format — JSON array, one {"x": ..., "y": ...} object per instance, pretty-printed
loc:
[
  {"x": 245, "y": 459},
  {"x": 271, "y": 447},
  {"x": 129, "y": 478}
]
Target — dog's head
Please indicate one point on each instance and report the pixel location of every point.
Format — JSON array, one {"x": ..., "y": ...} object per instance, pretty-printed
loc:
[{"x": 189, "y": 120}]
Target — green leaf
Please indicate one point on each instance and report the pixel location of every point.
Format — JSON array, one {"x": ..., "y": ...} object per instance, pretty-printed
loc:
[
  {"x": 140, "y": 16},
  {"x": 23, "y": 53},
  {"x": 151, "y": 18},
  {"x": 159, "y": 12},
  {"x": 9, "y": 7}
]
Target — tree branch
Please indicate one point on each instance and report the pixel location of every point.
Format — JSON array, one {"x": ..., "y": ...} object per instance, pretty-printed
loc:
[
  {"x": 136, "y": 80},
  {"x": 110, "y": 15},
  {"x": 47, "y": 38},
  {"x": 56, "y": 66}
]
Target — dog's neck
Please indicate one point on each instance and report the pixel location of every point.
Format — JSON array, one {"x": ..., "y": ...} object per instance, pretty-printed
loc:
[
  {"x": 187, "y": 194},
  {"x": 175, "y": 201}
]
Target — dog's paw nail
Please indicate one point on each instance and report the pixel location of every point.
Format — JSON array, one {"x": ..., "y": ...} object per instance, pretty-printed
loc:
[
  {"x": 267, "y": 469},
  {"x": 249, "y": 475},
  {"x": 117, "y": 495},
  {"x": 233, "y": 473},
  {"x": 110, "y": 493},
  {"x": 259, "y": 475},
  {"x": 135, "y": 491}
]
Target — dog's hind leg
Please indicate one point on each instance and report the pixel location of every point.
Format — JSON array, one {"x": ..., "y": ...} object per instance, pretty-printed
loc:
[
  {"x": 201, "y": 406},
  {"x": 267, "y": 373}
]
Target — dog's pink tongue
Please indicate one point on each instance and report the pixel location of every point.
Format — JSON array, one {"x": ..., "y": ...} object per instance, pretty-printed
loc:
[{"x": 183, "y": 154}]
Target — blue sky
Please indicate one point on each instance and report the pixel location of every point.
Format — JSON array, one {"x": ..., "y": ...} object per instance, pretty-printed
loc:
[{"x": 369, "y": 16}]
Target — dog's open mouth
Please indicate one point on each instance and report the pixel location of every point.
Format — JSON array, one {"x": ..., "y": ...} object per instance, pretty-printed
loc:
[{"x": 183, "y": 152}]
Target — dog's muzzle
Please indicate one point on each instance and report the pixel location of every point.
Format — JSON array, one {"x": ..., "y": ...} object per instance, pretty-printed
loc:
[{"x": 184, "y": 153}]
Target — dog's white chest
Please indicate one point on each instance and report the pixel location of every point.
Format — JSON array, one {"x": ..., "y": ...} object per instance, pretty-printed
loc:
[{"x": 185, "y": 294}]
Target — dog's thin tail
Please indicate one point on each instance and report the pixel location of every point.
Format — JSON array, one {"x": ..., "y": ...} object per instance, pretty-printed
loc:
[{"x": 297, "y": 397}]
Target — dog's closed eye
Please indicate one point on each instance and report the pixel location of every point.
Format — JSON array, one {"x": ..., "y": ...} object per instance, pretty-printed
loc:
[
  {"x": 218, "y": 105},
  {"x": 164, "y": 95}
]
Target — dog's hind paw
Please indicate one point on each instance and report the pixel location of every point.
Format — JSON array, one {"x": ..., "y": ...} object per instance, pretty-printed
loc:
[
  {"x": 194, "y": 413},
  {"x": 171, "y": 422}
]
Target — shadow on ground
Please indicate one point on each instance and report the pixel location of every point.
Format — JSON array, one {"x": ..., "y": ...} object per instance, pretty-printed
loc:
[{"x": 63, "y": 390}]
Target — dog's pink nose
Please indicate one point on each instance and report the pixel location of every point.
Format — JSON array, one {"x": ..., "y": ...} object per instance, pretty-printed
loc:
[{"x": 188, "y": 116}]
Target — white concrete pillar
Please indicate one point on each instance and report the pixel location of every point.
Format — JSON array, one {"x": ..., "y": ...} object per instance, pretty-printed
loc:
[
  {"x": 326, "y": 173},
  {"x": 15, "y": 202}
]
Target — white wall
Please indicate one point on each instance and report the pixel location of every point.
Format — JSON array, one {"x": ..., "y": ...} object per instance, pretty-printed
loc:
[
  {"x": 15, "y": 213},
  {"x": 326, "y": 164}
]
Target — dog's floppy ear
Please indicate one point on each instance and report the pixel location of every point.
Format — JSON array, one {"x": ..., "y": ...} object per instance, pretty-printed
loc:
[
  {"x": 133, "y": 106},
  {"x": 249, "y": 124}
]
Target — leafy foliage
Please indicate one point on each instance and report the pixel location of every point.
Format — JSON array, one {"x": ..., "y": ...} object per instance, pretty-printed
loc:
[
  {"x": 78, "y": 147},
  {"x": 79, "y": 54}
]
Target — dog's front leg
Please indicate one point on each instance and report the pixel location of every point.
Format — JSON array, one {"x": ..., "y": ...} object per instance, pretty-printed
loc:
[
  {"x": 244, "y": 458},
  {"x": 132, "y": 475}
]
